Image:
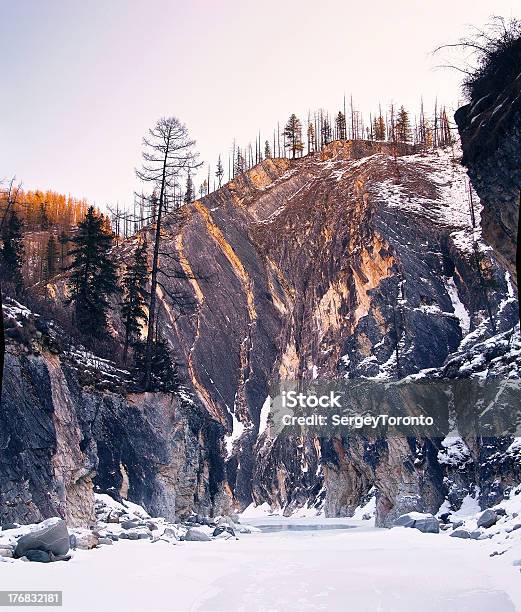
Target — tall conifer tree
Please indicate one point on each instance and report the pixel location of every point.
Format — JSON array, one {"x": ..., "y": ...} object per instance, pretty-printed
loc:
[
  {"x": 293, "y": 135},
  {"x": 403, "y": 126},
  {"x": 93, "y": 274}
]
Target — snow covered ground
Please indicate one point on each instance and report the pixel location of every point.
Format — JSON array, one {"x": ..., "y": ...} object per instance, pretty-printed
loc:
[{"x": 360, "y": 569}]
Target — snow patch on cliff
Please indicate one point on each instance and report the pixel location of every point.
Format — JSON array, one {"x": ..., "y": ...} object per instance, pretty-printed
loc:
[
  {"x": 264, "y": 413},
  {"x": 459, "y": 309}
]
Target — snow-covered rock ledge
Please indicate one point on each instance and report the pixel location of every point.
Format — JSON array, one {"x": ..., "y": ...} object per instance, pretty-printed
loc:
[{"x": 52, "y": 540}]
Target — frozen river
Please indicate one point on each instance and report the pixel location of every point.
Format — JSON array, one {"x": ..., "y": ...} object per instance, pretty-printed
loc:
[{"x": 294, "y": 564}]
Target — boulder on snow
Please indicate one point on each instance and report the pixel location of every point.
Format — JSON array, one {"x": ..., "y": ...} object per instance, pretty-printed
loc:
[
  {"x": 113, "y": 518},
  {"x": 113, "y": 536},
  {"x": 487, "y": 518},
  {"x": 85, "y": 539},
  {"x": 195, "y": 534},
  {"x": 223, "y": 529},
  {"x": 227, "y": 519},
  {"x": 426, "y": 523},
  {"x": 50, "y": 535},
  {"x": 460, "y": 533}
]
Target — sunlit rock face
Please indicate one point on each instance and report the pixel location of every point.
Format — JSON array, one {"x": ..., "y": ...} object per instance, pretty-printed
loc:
[{"x": 358, "y": 261}]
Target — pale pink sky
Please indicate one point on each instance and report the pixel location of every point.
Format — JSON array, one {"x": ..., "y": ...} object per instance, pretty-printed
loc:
[{"x": 83, "y": 81}]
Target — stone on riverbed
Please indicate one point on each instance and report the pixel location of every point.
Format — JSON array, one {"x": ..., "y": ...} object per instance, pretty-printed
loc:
[
  {"x": 426, "y": 523},
  {"x": 49, "y": 536},
  {"x": 196, "y": 534},
  {"x": 487, "y": 518}
]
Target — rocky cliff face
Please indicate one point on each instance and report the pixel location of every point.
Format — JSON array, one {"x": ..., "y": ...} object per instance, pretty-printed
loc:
[
  {"x": 490, "y": 129},
  {"x": 353, "y": 262},
  {"x": 62, "y": 440},
  {"x": 357, "y": 261}
]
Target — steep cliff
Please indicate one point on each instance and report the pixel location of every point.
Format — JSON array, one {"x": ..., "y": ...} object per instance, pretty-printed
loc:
[
  {"x": 62, "y": 439},
  {"x": 360, "y": 260},
  {"x": 490, "y": 129},
  {"x": 352, "y": 262}
]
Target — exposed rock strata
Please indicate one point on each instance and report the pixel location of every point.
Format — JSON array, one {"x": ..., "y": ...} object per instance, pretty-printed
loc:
[
  {"x": 61, "y": 441},
  {"x": 358, "y": 261}
]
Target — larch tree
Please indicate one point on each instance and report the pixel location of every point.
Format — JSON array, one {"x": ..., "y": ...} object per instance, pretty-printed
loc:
[
  {"x": 240, "y": 163},
  {"x": 203, "y": 189},
  {"x": 64, "y": 240},
  {"x": 164, "y": 375},
  {"x": 8, "y": 199},
  {"x": 43, "y": 218},
  {"x": 293, "y": 135},
  {"x": 93, "y": 276},
  {"x": 168, "y": 151},
  {"x": 326, "y": 131},
  {"x": 445, "y": 137},
  {"x": 379, "y": 128}
]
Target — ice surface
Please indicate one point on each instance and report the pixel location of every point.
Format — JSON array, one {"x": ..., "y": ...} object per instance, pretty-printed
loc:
[{"x": 363, "y": 569}]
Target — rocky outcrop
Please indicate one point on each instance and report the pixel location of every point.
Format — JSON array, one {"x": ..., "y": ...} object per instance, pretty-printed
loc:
[
  {"x": 352, "y": 262},
  {"x": 490, "y": 130},
  {"x": 61, "y": 441}
]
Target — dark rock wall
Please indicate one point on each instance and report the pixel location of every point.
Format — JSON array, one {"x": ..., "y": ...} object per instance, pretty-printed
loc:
[
  {"x": 490, "y": 130},
  {"x": 60, "y": 442}
]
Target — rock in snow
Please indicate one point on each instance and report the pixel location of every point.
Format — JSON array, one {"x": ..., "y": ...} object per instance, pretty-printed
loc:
[
  {"x": 196, "y": 534},
  {"x": 487, "y": 518},
  {"x": 427, "y": 523},
  {"x": 460, "y": 533},
  {"x": 50, "y": 536},
  {"x": 85, "y": 539}
]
